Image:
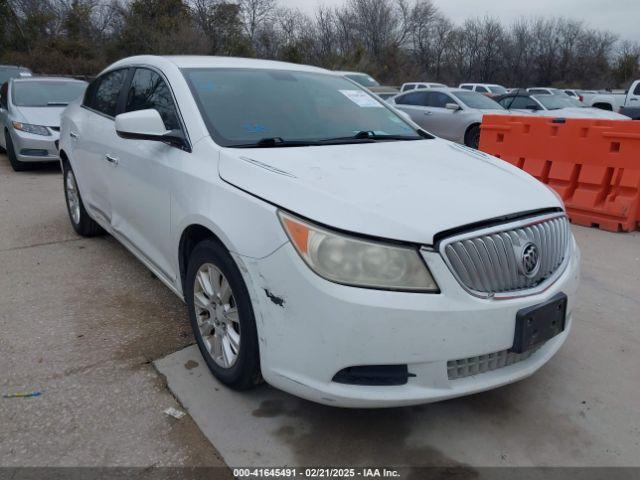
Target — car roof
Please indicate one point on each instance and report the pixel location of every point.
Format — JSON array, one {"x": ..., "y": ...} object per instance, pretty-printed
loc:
[
  {"x": 45, "y": 79},
  {"x": 204, "y": 61}
]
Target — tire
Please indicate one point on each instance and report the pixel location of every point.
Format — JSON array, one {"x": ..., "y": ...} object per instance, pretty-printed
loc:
[
  {"x": 16, "y": 164},
  {"x": 224, "y": 325},
  {"x": 82, "y": 223},
  {"x": 472, "y": 137}
]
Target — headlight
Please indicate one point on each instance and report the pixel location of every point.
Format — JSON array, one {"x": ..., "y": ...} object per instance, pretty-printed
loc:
[
  {"x": 35, "y": 129},
  {"x": 352, "y": 261}
]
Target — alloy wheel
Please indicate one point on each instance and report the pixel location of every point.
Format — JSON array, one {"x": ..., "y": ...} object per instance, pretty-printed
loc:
[
  {"x": 73, "y": 197},
  {"x": 217, "y": 315}
]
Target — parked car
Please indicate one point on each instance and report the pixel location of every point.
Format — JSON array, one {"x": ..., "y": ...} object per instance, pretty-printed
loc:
[
  {"x": 30, "y": 111},
  {"x": 370, "y": 83},
  {"x": 321, "y": 242},
  {"x": 8, "y": 72},
  {"x": 488, "y": 89},
  {"x": 454, "y": 114},
  {"x": 415, "y": 85},
  {"x": 547, "y": 91},
  {"x": 604, "y": 100},
  {"x": 553, "y": 106},
  {"x": 632, "y": 101}
]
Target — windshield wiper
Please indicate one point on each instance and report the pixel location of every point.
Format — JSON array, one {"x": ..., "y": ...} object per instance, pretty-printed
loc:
[
  {"x": 275, "y": 142},
  {"x": 366, "y": 136}
]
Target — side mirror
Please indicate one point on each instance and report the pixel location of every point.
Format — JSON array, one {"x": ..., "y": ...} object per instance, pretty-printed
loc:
[
  {"x": 148, "y": 125},
  {"x": 453, "y": 106}
]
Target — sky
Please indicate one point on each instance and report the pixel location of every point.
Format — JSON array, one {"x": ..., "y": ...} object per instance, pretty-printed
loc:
[{"x": 618, "y": 16}]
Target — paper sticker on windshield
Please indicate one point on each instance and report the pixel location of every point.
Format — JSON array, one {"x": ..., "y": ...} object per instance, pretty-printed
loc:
[{"x": 362, "y": 99}]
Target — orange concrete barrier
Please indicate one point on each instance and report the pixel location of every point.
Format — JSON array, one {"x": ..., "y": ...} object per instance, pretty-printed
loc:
[{"x": 593, "y": 164}]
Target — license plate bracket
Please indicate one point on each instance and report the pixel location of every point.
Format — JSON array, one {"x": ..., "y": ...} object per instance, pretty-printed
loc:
[{"x": 539, "y": 323}]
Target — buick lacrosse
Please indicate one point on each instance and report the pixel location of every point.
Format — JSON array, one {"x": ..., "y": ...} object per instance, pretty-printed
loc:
[{"x": 321, "y": 240}]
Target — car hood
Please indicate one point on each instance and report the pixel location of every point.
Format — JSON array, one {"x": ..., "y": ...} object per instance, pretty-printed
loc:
[
  {"x": 47, "y": 116},
  {"x": 407, "y": 191}
]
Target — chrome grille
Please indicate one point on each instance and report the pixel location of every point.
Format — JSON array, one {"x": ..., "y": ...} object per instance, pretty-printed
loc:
[
  {"x": 468, "y": 367},
  {"x": 493, "y": 261}
]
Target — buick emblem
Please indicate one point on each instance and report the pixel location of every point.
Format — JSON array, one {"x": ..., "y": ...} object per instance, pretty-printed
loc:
[{"x": 530, "y": 260}]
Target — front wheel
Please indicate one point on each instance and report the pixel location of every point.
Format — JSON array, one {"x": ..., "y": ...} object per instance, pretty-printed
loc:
[
  {"x": 16, "y": 164},
  {"x": 472, "y": 137},
  {"x": 82, "y": 223},
  {"x": 222, "y": 317}
]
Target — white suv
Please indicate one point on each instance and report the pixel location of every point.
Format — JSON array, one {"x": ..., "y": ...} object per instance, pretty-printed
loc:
[
  {"x": 488, "y": 89},
  {"x": 320, "y": 240}
]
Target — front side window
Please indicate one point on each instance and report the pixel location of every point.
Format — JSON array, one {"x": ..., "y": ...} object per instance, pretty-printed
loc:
[
  {"x": 439, "y": 100},
  {"x": 466, "y": 87},
  {"x": 476, "y": 100},
  {"x": 148, "y": 90},
  {"x": 637, "y": 89},
  {"x": 481, "y": 89},
  {"x": 241, "y": 107},
  {"x": 46, "y": 93},
  {"x": 106, "y": 91},
  {"x": 524, "y": 103},
  {"x": 409, "y": 87}
]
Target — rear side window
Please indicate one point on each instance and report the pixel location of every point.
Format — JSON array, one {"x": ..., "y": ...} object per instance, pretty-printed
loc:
[
  {"x": 415, "y": 98},
  {"x": 104, "y": 92},
  {"x": 149, "y": 90},
  {"x": 409, "y": 87},
  {"x": 466, "y": 87},
  {"x": 481, "y": 89}
]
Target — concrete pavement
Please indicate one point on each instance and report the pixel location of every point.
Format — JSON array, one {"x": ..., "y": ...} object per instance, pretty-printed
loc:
[{"x": 82, "y": 320}]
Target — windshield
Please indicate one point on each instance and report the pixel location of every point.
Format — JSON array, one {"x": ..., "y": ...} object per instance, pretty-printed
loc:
[
  {"x": 556, "y": 102},
  {"x": 7, "y": 73},
  {"x": 497, "y": 89},
  {"x": 46, "y": 93},
  {"x": 243, "y": 106},
  {"x": 363, "y": 79},
  {"x": 477, "y": 100}
]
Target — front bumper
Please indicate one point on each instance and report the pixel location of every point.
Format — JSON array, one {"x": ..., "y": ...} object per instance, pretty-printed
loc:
[
  {"x": 35, "y": 148},
  {"x": 309, "y": 329}
]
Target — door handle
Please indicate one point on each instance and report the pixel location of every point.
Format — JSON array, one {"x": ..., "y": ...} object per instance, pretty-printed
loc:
[
  {"x": 111, "y": 159},
  {"x": 73, "y": 135}
]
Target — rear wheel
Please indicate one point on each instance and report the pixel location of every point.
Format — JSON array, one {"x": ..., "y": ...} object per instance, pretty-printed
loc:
[
  {"x": 82, "y": 223},
  {"x": 16, "y": 164},
  {"x": 472, "y": 137},
  {"x": 222, "y": 317}
]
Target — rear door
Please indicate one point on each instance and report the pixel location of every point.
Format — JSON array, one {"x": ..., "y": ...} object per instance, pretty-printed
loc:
[
  {"x": 142, "y": 181},
  {"x": 415, "y": 104},
  {"x": 93, "y": 135}
]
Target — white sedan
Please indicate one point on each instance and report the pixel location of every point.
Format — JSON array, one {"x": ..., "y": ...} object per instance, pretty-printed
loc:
[
  {"x": 321, "y": 241},
  {"x": 553, "y": 106}
]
